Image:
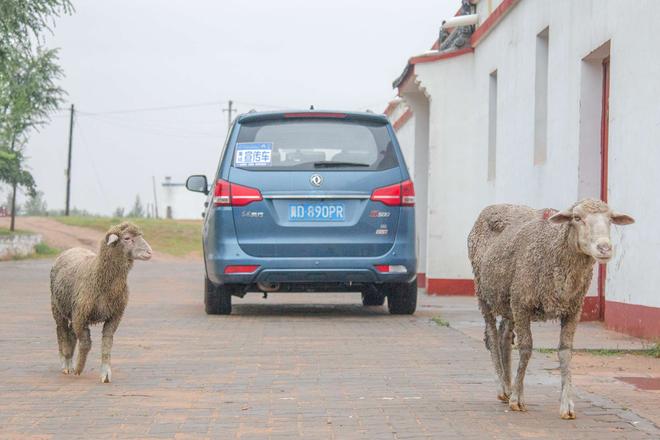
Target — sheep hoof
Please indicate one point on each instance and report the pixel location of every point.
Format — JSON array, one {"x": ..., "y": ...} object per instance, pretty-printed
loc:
[
  {"x": 567, "y": 415},
  {"x": 567, "y": 410},
  {"x": 106, "y": 374},
  {"x": 503, "y": 397},
  {"x": 517, "y": 406}
]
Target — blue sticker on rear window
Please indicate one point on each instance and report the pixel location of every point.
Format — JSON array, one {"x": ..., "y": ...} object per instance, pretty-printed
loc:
[{"x": 253, "y": 154}]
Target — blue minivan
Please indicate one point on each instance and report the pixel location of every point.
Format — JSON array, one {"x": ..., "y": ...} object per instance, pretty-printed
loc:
[{"x": 310, "y": 201}]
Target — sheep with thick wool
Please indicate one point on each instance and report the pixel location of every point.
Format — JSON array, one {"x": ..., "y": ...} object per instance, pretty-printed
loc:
[
  {"x": 89, "y": 289},
  {"x": 534, "y": 265}
]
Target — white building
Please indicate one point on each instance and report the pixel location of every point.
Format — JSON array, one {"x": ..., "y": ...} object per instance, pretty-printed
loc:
[{"x": 520, "y": 113}]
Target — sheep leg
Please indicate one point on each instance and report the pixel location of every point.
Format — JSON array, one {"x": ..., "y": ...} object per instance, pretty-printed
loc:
[
  {"x": 506, "y": 340},
  {"x": 85, "y": 344},
  {"x": 65, "y": 343},
  {"x": 109, "y": 328},
  {"x": 491, "y": 338},
  {"x": 565, "y": 352},
  {"x": 66, "y": 348},
  {"x": 524, "y": 335}
]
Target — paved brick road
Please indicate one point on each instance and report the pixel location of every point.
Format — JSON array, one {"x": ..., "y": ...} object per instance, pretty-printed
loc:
[{"x": 300, "y": 365}]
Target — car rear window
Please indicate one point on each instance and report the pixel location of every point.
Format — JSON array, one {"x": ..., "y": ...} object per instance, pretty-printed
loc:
[{"x": 312, "y": 144}]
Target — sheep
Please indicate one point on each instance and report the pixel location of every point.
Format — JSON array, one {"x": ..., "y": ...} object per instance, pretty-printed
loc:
[
  {"x": 536, "y": 265},
  {"x": 89, "y": 289}
]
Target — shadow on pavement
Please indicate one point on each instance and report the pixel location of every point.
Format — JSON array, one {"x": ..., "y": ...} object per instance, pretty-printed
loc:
[{"x": 301, "y": 310}]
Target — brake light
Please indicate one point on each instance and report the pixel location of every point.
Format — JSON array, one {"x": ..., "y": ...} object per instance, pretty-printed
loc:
[
  {"x": 399, "y": 194},
  {"x": 232, "y": 194},
  {"x": 241, "y": 269},
  {"x": 315, "y": 115}
]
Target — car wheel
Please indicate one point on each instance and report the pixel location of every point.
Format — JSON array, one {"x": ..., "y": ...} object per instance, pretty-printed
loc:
[
  {"x": 372, "y": 299},
  {"x": 402, "y": 298},
  {"x": 217, "y": 299}
]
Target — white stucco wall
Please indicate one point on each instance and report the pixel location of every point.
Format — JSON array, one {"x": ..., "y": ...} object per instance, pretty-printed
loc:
[
  {"x": 458, "y": 135},
  {"x": 406, "y": 137}
]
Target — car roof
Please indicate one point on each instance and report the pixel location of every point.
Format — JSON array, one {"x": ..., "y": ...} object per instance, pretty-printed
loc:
[{"x": 316, "y": 114}]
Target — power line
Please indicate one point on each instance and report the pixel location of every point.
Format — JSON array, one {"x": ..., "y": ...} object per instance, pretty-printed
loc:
[
  {"x": 170, "y": 107},
  {"x": 176, "y": 134},
  {"x": 84, "y": 144},
  {"x": 153, "y": 109}
]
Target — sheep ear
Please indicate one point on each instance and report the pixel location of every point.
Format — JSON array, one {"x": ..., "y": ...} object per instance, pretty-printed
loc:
[
  {"x": 112, "y": 238},
  {"x": 561, "y": 217},
  {"x": 619, "y": 218}
]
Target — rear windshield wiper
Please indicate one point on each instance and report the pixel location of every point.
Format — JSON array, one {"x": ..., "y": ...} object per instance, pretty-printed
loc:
[{"x": 331, "y": 164}]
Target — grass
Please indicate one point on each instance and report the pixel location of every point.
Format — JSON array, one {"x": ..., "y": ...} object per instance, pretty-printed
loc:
[
  {"x": 441, "y": 322},
  {"x": 4, "y": 232},
  {"x": 45, "y": 251},
  {"x": 653, "y": 351},
  {"x": 174, "y": 237}
]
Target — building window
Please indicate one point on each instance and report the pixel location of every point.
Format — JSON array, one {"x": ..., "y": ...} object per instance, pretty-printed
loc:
[
  {"x": 492, "y": 124},
  {"x": 541, "y": 98}
]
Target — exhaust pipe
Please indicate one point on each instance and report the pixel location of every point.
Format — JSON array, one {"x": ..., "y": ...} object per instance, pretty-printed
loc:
[{"x": 268, "y": 287}]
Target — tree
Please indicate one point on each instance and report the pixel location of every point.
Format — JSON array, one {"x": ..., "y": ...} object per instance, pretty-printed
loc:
[
  {"x": 9, "y": 203},
  {"x": 36, "y": 205},
  {"x": 119, "y": 212},
  {"x": 138, "y": 210},
  {"x": 28, "y": 83}
]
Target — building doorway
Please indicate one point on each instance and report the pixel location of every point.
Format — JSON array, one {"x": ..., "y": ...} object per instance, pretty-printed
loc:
[
  {"x": 593, "y": 155},
  {"x": 604, "y": 136}
]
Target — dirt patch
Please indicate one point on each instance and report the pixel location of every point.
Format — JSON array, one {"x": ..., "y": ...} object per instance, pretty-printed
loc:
[
  {"x": 63, "y": 237},
  {"x": 618, "y": 377},
  {"x": 615, "y": 365}
]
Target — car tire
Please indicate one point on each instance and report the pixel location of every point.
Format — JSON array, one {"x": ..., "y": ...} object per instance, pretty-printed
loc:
[
  {"x": 402, "y": 298},
  {"x": 217, "y": 299},
  {"x": 372, "y": 299}
]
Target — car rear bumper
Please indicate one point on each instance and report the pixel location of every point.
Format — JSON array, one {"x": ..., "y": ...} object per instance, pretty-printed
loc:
[
  {"x": 222, "y": 249},
  {"x": 310, "y": 270},
  {"x": 289, "y": 274}
]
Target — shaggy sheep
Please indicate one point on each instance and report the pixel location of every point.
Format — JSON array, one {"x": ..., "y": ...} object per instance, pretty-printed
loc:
[
  {"x": 89, "y": 289},
  {"x": 535, "y": 265}
]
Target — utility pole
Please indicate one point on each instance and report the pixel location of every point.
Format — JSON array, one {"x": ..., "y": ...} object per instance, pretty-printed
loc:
[
  {"x": 230, "y": 108},
  {"x": 12, "y": 224},
  {"x": 153, "y": 180},
  {"x": 68, "y": 168}
]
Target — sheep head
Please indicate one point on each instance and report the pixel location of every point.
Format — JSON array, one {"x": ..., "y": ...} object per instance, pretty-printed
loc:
[
  {"x": 128, "y": 238},
  {"x": 590, "y": 220}
]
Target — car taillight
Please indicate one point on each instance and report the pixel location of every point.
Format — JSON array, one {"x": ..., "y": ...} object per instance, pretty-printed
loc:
[
  {"x": 244, "y": 195},
  {"x": 232, "y": 194},
  {"x": 241, "y": 269},
  {"x": 399, "y": 194},
  {"x": 407, "y": 193}
]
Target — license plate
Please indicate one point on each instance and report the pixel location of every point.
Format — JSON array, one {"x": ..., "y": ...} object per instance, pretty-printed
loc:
[{"x": 316, "y": 212}]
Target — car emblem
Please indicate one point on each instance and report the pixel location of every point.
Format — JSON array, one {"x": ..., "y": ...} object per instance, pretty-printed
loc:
[{"x": 316, "y": 179}]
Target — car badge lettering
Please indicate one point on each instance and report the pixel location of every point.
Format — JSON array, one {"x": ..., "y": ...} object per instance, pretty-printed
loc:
[{"x": 379, "y": 214}]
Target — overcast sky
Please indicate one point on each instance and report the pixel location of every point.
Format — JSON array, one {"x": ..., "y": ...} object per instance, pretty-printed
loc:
[{"x": 125, "y": 55}]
